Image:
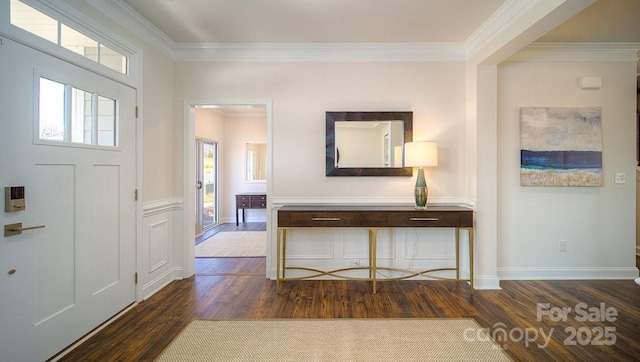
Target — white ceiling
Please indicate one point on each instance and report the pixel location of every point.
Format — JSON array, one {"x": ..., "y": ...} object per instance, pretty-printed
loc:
[
  {"x": 316, "y": 21},
  {"x": 365, "y": 21}
]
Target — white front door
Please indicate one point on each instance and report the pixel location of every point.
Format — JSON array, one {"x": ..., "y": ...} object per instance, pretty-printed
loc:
[{"x": 59, "y": 282}]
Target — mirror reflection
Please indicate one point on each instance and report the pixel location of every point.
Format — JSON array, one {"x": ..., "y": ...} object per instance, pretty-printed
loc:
[
  {"x": 369, "y": 144},
  {"x": 256, "y": 162}
]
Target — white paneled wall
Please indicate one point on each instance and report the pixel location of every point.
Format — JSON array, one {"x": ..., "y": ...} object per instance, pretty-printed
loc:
[
  {"x": 161, "y": 248},
  {"x": 415, "y": 249}
]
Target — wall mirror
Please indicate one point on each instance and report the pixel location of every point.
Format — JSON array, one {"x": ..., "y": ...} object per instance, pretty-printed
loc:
[
  {"x": 367, "y": 143},
  {"x": 255, "y": 162}
]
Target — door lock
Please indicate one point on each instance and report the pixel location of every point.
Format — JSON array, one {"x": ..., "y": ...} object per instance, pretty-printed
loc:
[{"x": 17, "y": 229}]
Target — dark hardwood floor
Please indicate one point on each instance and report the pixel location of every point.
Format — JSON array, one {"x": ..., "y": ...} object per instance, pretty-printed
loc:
[{"x": 230, "y": 288}]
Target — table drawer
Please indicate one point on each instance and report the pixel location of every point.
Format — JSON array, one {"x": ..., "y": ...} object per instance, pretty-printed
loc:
[
  {"x": 248, "y": 201},
  {"x": 424, "y": 219},
  {"x": 319, "y": 219},
  {"x": 258, "y": 204},
  {"x": 251, "y": 204}
]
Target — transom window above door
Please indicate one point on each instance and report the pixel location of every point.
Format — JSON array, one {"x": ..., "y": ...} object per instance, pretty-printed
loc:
[{"x": 49, "y": 28}]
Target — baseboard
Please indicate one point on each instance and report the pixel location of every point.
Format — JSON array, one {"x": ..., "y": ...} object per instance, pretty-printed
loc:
[
  {"x": 95, "y": 331},
  {"x": 486, "y": 283},
  {"x": 160, "y": 282},
  {"x": 566, "y": 273}
]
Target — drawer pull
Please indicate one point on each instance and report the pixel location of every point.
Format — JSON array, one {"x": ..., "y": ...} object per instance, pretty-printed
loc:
[
  {"x": 425, "y": 219},
  {"x": 325, "y": 219}
]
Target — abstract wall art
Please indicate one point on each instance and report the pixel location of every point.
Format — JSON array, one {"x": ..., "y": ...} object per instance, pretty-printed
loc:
[{"x": 560, "y": 146}]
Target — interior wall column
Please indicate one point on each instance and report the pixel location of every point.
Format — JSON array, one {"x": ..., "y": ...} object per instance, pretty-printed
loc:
[{"x": 487, "y": 177}]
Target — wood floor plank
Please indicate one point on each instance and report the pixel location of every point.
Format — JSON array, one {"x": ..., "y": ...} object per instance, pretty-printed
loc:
[
  {"x": 149, "y": 327},
  {"x": 142, "y": 333}
]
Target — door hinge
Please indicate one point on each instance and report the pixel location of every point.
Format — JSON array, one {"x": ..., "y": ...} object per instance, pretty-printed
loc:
[
  {"x": 136, "y": 111},
  {"x": 135, "y": 277},
  {"x": 135, "y": 195}
]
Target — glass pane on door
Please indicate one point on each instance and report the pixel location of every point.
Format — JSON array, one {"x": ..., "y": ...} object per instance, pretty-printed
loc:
[
  {"x": 209, "y": 215},
  {"x": 206, "y": 185}
]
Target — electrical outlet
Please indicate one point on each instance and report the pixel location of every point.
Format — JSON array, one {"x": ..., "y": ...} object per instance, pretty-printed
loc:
[
  {"x": 620, "y": 178},
  {"x": 562, "y": 245}
]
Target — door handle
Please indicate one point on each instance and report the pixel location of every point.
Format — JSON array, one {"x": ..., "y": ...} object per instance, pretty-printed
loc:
[
  {"x": 17, "y": 229},
  {"x": 198, "y": 184}
]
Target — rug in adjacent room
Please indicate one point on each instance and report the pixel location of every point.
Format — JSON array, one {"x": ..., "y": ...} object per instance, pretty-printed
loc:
[{"x": 233, "y": 244}]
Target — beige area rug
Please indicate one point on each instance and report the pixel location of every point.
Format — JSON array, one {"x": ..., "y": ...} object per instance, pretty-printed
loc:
[
  {"x": 234, "y": 243},
  {"x": 333, "y": 340}
]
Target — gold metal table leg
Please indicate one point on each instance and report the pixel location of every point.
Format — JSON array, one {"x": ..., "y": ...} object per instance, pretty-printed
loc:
[
  {"x": 457, "y": 253},
  {"x": 284, "y": 252},
  {"x": 373, "y": 256},
  {"x": 278, "y": 234},
  {"x": 370, "y": 256},
  {"x": 281, "y": 242},
  {"x": 471, "y": 257}
]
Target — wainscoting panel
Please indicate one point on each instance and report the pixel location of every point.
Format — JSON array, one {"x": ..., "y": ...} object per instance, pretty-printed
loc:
[
  {"x": 158, "y": 245},
  {"x": 314, "y": 244},
  {"x": 356, "y": 243},
  {"x": 403, "y": 248},
  {"x": 428, "y": 244},
  {"x": 161, "y": 245}
]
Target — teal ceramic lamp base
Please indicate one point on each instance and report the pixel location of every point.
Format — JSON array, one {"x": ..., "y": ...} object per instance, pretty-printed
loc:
[{"x": 421, "y": 191}]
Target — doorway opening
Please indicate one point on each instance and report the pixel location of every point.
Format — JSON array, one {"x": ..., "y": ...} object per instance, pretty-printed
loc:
[{"x": 220, "y": 244}]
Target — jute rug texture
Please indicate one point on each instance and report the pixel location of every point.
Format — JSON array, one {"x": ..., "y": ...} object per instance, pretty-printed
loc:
[
  {"x": 233, "y": 243},
  {"x": 333, "y": 340}
]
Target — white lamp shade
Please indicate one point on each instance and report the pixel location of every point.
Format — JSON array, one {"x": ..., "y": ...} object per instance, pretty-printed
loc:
[{"x": 420, "y": 154}]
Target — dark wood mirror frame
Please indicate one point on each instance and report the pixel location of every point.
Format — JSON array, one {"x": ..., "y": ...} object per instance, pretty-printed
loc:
[{"x": 333, "y": 117}]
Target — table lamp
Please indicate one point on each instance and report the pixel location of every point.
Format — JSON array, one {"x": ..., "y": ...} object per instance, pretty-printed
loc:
[{"x": 421, "y": 154}]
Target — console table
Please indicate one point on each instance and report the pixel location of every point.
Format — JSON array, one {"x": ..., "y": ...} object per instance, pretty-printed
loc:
[
  {"x": 372, "y": 218},
  {"x": 250, "y": 200}
]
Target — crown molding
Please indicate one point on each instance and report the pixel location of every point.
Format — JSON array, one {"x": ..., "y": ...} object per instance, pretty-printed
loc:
[
  {"x": 128, "y": 18},
  {"x": 321, "y": 52},
  {"x": 124, "y": 15},
  {"x": 487, "y": 31},
  {"x": 579, "y": 52}
]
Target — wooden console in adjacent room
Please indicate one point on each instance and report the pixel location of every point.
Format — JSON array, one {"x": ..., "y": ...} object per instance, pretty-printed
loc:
[
  {"x": 250, "y": 200},
  {"x": 372, "y": 218}
]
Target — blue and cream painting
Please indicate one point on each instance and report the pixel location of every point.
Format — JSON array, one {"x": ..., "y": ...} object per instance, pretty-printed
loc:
[{"x": 560, "y": 146}]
